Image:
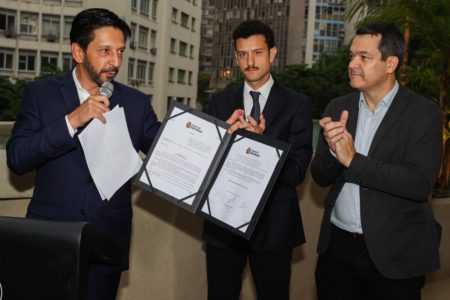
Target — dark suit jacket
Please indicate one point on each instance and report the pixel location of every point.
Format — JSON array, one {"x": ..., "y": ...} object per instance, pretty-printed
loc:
[
  {"x": 288, "y": 119},
  {"x": 395, "y": 179},
  {"x": 64, "y": 189}
]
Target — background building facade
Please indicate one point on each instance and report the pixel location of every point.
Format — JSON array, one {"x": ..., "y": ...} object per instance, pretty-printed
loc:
[
  {"x": 304, "y": 29},
  {"x": 206, "y": 36},
  {"x": 161, "y": 59},
  {"x": 324, "y": 28}
]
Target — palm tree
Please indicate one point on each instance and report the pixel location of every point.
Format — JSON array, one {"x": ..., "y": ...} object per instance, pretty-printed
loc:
[
  {"x": 403, "y": 13},
  {"x": 435, "y": 33},
  {"x": 430, "y": 20}
]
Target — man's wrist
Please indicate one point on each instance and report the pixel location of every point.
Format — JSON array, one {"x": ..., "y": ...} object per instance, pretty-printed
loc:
[{"x": 72, "y": 130}]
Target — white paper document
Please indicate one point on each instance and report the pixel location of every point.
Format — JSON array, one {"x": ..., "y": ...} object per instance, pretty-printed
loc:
[
  {"x": 241, "y": 182},
  {"x": 109, "y": 152},
  {"x": 182, "y": 156}
]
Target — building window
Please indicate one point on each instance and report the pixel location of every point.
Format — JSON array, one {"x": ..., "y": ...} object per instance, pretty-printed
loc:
[
  {"x": 67, "y": 26},
  {"x": 181, "y": 75},
  {"x": 191, "y": 51},
  {"x": 50, "y": 28},
  {"x": 141, "y": 70},
  {"x": 173, "y": 43},
  {"x": 183, "y": 49},
  {"x": 49, "y": 61},
  {"x": 68, "y": 63},
  {"x": 134, "y": 5},
  {"x": 184, "y": 19},
  {"x": 193, "y": 24},
  {"x": 133, "y": 29},
  {"x": 151, "y": 69},
  {"x": 169, "y": 101},
  {"x": 154, "y": 9},
  {"x": 27, "y": 61},
  {"x": 131, "y": 68},
  {"x": 7, "y": 21},
  {"x": 171, "y": 71},
  {"x": 143, "y": 37},
  {"x": 190, "y": 78},
  {"x": 145, "y": 8},
  {"x": 174, "y": 15},
  {"x": 6, "y": 59},
  {"x": 28, "y": 23},
  {"x": 152, "y": 39}
]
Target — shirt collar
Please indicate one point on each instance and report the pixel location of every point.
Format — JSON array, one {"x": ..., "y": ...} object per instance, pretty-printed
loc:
[
  {"x": 264, "y": 89},
  {"x": 83, "y": 94},
  {"x": 386, "y": 100}
]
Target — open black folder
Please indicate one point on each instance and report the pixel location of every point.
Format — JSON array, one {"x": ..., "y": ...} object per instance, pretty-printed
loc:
[{"x": 196, "y": 164}]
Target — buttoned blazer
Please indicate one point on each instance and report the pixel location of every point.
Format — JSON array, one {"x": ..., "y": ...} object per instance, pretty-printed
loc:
[
  {"x": 395, "y": 179},
  {"x": 288, "y": 119},
  {"x": 64, "y": 189}
]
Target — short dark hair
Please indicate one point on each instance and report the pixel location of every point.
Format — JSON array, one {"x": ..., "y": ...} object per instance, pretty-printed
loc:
[
  {"x": 88, "y": 20},
  {"x": 391, "y": 43},
  {"x": 254, "y": 27}
]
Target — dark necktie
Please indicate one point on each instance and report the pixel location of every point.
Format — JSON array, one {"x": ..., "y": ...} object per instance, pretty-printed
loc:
[{"x": 256, "y": 109}]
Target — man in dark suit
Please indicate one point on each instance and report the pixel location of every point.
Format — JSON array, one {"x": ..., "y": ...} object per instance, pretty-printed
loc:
[
  {"x": 54, "y": 111},
  {"x": 286, "y": 116},
  {"x": 380, "y": 151}
]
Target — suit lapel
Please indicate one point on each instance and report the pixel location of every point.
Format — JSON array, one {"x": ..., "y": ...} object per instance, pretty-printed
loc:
[
  {"x": 353, "y": 112},
  {"x": 114, "y": 99},
  {"x": 392, "y": 115},
  {"x": 273, "y": 105},
  {"x": 72, "y": 101},
  {"x": 69, "y": 92},
  {"x": 237, "y": 98}
]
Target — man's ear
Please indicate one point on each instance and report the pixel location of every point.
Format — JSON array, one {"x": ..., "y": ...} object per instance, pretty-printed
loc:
[
  {"x": 272, "y": 54},
  {"x": 77, "y": 53},
  {"x": 236, "y": 57},
  {"x": 392, "y": 63}
]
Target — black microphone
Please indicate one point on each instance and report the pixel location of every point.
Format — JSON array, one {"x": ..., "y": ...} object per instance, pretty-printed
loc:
[{"x": 107, "y": 89}]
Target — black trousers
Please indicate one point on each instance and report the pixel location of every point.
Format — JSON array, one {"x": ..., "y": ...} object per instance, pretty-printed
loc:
[
  {"x": 346, "y": 272},
  {"x": 103, "y": 282},
  {"x": 271, "y": 271}
]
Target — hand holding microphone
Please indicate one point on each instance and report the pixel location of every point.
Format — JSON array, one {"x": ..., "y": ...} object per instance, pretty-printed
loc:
[{"x": 93, "y": 107}]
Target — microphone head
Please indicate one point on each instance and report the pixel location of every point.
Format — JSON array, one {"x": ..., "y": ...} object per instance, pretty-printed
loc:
[{"x": 107, "y": 89}]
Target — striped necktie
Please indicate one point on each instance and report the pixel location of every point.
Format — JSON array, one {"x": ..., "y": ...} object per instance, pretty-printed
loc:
[{"x": 256, "y": 109}]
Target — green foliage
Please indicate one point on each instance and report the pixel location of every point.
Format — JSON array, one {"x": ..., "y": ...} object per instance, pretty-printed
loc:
[
  {"x": 398, "y": 12},
  {"x": 327, "y": 80},
  {"x": 49, "y": 70},
  {"x": 424, "y": 81},
  {"x": 235, "y": 82},
  {"x": 10, "y": 93},
  {"x": 202, "y": 87}
]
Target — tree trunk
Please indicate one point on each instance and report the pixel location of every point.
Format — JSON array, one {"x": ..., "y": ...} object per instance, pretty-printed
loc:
[
  {"x": 445, "y": 168},
  {"x": 406, "y": 39},
  {"x": 444, "y": 81}
]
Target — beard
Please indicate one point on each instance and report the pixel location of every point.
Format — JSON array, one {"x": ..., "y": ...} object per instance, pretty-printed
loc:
[{"x": 95, "y": 76}]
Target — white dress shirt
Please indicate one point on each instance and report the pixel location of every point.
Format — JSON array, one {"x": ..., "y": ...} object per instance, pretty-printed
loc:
[
  {"x": 83, "y": 94},
  {"x": 264, "y": 95}
]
